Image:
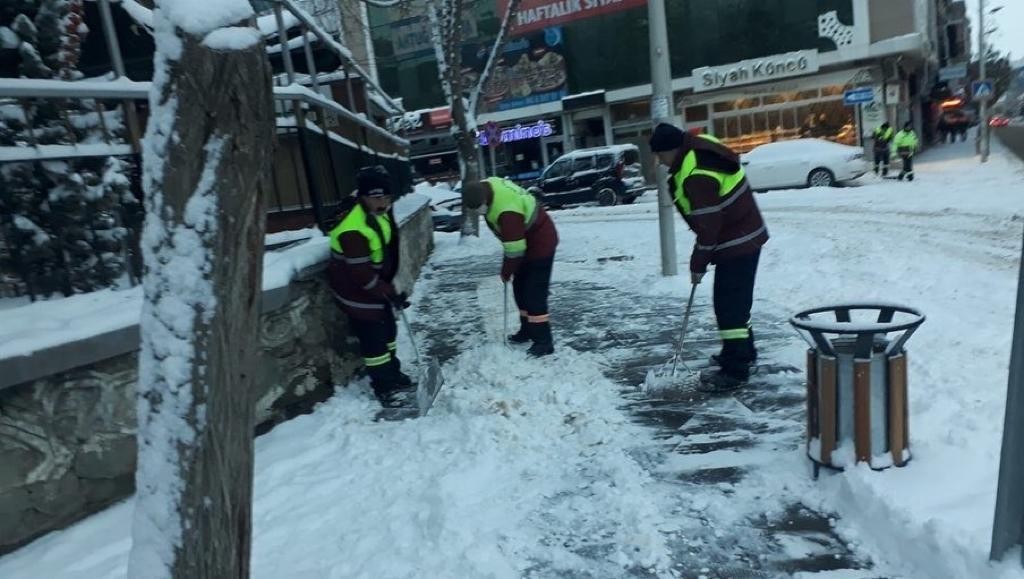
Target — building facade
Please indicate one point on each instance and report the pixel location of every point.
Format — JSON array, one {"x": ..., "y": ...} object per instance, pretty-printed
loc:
[{"x": 576, "y": 73}]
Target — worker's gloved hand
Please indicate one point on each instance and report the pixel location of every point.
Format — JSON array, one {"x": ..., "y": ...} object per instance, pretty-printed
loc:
[
  {"x": 696, "y": 276},
  {"x": 400, "y": 300},
  {"x": 508, "y": 269}
]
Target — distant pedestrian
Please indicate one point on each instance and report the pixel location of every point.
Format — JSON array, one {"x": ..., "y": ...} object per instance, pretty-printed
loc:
[
  {"x": 883, "y": 140},
  {"x": 945, "y": 130},
  {"x": 905, "y": 142},
  {"x": 710, "y": 190}
]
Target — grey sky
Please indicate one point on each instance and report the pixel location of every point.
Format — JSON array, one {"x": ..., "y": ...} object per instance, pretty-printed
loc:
[{"x": 1010, "y": 22}]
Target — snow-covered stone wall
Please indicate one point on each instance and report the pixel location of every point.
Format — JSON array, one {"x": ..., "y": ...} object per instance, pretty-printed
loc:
[{"x": 67, "y": 440}]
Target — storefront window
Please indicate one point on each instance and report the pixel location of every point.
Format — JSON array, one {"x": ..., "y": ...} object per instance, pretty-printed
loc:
[
  {"x": 720, "y": 128},
  {"x": 746, "y": 124},
  {"x": 810, "y": 116},
  {"x": 834, "y": 90},
  {"x": 761, "y": 123},
  {"x": 631, "y": 112},
  {"x": 696, "y": 114},
  {"x": 724, "y": 106}
]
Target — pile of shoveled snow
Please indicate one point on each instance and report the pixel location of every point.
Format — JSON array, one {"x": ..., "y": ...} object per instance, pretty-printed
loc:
[{"x": 521, "y": 465}]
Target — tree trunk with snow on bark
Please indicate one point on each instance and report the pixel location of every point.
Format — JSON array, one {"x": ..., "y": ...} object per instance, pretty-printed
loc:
[{"x": 207, "y": 154}]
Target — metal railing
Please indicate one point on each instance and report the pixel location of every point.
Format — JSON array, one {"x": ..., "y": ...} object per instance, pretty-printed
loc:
[{"x": 320, "y": 141}]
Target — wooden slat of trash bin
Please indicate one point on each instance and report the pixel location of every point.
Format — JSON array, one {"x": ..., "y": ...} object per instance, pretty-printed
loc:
[
  {"x": 862, "y": 410},
  {"x": 827, "y": 418},
  {"x": 812, "y": 395},
  {"x": 898, "y": 434}
]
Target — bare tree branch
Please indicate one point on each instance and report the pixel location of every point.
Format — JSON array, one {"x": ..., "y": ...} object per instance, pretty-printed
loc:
[{"x": 499, "y": 43}]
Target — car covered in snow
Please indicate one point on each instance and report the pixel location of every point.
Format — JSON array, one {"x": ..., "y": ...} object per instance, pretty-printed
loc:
[
  {"x": 803, "y": 163},
  {"x": 445, "y": 206},
  {"x": 608, "y": 175}
]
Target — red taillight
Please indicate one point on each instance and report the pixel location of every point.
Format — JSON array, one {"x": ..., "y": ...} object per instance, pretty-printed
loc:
[{"x": 620, "y": 169}]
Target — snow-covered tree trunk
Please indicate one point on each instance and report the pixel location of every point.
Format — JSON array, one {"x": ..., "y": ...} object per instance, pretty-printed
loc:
[{"x": 207, "y": 152}]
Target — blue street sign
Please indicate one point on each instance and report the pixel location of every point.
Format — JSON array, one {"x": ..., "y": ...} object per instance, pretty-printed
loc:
[
  {"x": 857, "y": 96},
  {"x": 982, "y": 89}
]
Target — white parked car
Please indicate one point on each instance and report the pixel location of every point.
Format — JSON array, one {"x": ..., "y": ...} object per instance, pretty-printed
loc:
[{"x": 803, "y": 163}]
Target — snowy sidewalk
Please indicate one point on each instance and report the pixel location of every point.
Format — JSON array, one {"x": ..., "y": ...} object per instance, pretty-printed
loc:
[
  {"x": 560, "y": 467},
  {"x": 727, "y": 465}
]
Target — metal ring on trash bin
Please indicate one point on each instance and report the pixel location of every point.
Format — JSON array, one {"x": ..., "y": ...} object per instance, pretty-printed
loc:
[{"x": 843, "y": 325}]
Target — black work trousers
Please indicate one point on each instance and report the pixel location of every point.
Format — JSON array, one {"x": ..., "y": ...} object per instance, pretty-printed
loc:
[
  {"x": 378, "y": 345},
  {"x": 530, "y": 285},
  {"x": 882, "y": 161},
  {"x": 908, "y": 167},
  {"x": 734, "y": 297}
]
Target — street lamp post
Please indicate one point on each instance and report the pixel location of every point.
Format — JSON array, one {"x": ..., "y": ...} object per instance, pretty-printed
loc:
[
  {"x": 983, "y": 128},
  {"x": 661, "y": 112}
]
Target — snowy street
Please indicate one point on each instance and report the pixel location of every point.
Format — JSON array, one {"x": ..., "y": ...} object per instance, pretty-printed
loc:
[{"x": 563, "y": 467}]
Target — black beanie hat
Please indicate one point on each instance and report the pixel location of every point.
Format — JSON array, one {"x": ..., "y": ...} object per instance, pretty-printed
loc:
[
  {"x": 373, "y": 181},
  {"x": 665, "y": 138}
]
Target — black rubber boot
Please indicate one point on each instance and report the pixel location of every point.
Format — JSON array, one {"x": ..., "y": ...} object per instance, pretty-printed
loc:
[
  {"x": 717, "y": 381},
  {"x": 400, "y": 378},
  {"x": 543, "y": 345},
  {"x": 386, "y": 388},
  {"x": 523, "y": 335}
]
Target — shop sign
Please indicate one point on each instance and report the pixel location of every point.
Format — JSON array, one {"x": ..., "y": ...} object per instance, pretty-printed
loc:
[
  {"x": 755, "y": 70},
  {"x": 530, "y": 71},
  {"x": 536, "y": 130},
  {"x": 440, "y": 118},
  {"x": 411, "y": 37},
  {"x": 953, "y": 72},
  {"x": 859, "y": 95},
  {"x": 536, "y": 14}
]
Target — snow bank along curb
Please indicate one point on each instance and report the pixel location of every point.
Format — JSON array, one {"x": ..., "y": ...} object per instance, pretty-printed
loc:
[
  {"x": 67, "y": 443},
  {"x": 53, "y": 336}
]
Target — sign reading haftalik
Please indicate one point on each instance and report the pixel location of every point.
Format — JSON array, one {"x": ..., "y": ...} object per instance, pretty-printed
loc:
[
  {"x": 755, "y": 70},
  {"x": 537, "y": 14}
]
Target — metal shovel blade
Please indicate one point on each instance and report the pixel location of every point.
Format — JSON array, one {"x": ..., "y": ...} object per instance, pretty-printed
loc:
[{"x": 429, "y": 384}]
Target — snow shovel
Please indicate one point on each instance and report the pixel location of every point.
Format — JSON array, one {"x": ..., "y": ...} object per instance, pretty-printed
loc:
[
  {"x": 505, "y": 311},
  {"x": 661, "y": 378},
  {"x": 430, "y": 379}
]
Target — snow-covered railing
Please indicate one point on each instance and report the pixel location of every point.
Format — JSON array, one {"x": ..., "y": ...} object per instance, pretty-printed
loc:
[
  {"x": 24, "y": 89},
  {"x": 347, "y": 59}
]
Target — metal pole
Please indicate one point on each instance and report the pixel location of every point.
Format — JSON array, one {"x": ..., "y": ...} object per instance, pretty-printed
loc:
[
  {"x": 1008, "y": 526},
  {"x": 661, "y": 112},
  {"x": 983, "y": 128},
  {"x": 282, "y": 38},
  {"x": 114, "y": 49},
  {"x": 310, "y": 61}
]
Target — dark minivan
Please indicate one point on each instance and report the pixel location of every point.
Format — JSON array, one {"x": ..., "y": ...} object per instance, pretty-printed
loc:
[{"x": 607, "y": 175}]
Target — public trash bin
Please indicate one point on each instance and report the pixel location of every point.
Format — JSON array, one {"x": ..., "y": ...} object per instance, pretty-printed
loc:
[{"x": 857, "y": 383}]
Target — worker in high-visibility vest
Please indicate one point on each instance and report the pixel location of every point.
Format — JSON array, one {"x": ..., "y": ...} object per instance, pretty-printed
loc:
[
  {"x": 529, "y": 239},
  {"x": 905, "y": 143},
  {"x": 363, "y": 265},
  {"x": 710, "y": 190},
  {"x": 882, "y": 142}
]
